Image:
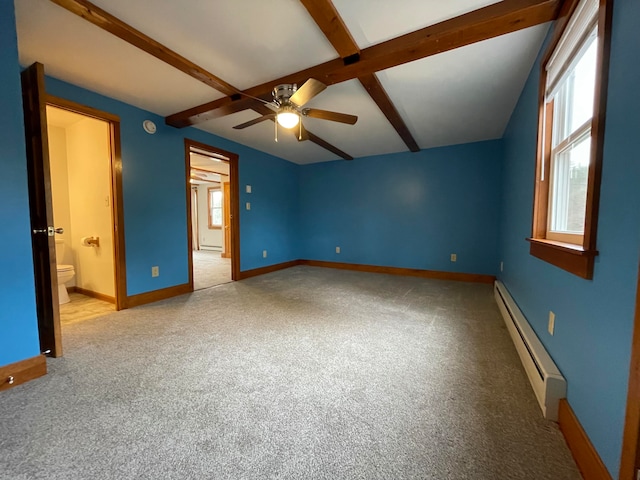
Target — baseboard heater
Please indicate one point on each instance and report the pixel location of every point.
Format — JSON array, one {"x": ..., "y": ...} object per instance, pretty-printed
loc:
[
  {"x": 548, "y": 383},
  {"x": 213, "y": 248}
]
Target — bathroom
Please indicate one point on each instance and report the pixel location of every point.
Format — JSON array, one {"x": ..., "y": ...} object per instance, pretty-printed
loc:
[{"x": 81, "y": 189}]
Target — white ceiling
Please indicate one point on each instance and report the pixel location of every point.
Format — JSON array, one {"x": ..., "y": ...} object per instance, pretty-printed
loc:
[
  {"x": 456, "y": 97},
  {"x": 211, "y": 164}
]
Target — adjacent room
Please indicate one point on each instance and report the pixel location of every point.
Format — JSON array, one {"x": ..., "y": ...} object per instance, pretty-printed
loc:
[
  {"x": 320, "y": 239},
  {"x": 210, "y": 181}
]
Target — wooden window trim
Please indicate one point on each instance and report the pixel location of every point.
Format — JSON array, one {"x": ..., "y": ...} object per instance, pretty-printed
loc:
[
  {"x": 211, "y": 225},
  {"x": 577, "y": 259}
]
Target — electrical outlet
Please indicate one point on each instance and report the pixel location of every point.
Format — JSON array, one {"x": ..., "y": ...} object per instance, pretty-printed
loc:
[
  {"x": 155, "y": 271},
  {"x": 264, "y": 254},
  {"x": 454, "y": 257},
  {"x": 248, "y": 205},
  {"x": 552, "y": 322},
  {"x": 337, "y": 249},
  {"x": 248, "y": 189},
  {"x": 502, "y": 266}
]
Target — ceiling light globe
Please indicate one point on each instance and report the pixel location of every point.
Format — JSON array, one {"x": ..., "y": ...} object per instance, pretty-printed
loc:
[{"x": 288, "y": 119}]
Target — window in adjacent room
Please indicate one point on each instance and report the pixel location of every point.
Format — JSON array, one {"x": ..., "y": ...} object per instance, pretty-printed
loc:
[
  {"x": 570, "y": 134},
  {"x": 215, "y": 207}
]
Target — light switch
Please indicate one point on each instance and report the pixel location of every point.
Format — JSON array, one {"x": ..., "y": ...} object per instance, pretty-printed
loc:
[
  {"x": 248, "y": 205},
  {"x": 248, "y": 189}
]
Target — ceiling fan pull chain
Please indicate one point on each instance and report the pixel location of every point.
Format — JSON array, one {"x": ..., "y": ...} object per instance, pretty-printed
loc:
[
  {"x": 276, "y": 127},
  {"x": 300, "y": 134}
]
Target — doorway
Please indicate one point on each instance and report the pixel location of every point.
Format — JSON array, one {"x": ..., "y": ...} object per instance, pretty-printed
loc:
[
  {"x": 212, "y": 215},
  {"x": 80, "y": 175}
]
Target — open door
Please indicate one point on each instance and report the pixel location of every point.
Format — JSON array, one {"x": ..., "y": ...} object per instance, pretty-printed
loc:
[
  {"x": 226, "y": 212},
  {"x": 40, "y": 205}
]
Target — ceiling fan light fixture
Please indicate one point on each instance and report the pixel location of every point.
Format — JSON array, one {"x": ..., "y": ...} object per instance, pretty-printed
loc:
[{"x": 288, "y": 118}]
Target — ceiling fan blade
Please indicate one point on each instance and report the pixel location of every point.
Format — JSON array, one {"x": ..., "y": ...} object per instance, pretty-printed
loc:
[
  {"x": 307, "y": 91},
  {"x": 327, "y": 115},
  {"x": 254, "y": 121},
  {"x": 307, "y": 135}
]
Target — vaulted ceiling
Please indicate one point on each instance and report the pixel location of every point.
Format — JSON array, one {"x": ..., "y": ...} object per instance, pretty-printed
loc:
[{"x": 418, "y": 74}]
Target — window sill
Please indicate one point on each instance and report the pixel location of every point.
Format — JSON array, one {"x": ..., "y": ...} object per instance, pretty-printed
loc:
[{"x": 567, "y": 256}]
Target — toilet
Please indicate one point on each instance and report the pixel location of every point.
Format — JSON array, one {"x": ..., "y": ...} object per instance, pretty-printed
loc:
[{"x": 65, "y": 273}]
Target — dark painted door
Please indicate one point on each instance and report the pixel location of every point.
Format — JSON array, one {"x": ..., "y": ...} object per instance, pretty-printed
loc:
[{"x": 40, "y": 205}]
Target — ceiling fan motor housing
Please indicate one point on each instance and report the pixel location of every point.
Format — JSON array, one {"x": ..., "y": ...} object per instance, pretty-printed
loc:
[{"x": 283, "y": 92}]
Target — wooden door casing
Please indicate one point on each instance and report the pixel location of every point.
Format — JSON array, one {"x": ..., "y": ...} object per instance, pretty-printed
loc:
[{"x": 226, "y": 207}]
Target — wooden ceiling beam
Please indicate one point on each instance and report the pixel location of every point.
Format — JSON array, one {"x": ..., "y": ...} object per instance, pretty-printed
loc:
[
  {"x": 126, "y": 32},
  {"x": 234, "y": 102},
  {"x": 326, "y": 16},
  {"x": 330, "y": 22},
  {"x": 307, "y": 135},
  {"x": 376, "y": 90},
  {"x": 230, "y": 105},
  {"x": 485, "y": 23},
  {"x": 498, "y": 19}
]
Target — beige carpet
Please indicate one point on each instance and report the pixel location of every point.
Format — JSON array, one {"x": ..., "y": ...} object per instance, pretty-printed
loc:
[{"x": 209, "y": 269}]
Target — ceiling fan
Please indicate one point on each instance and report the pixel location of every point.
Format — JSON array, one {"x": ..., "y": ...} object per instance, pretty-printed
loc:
[{"x": 288, "y": 105}]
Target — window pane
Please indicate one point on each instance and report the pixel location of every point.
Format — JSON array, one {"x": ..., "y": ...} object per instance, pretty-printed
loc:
[
  {"x": 583, "y": 83},
  {"x": 217, "y": 199},
  {"x": 215, "y": 208},
  {"x": 217, "y": 216},
  {"x": 569, "y": 187},
  {"x": 575, "y": 94}
]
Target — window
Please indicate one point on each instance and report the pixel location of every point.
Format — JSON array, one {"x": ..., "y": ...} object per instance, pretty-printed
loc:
[
  {"x": 215, "y": 207},
  {"x": 570, "y": 133}
]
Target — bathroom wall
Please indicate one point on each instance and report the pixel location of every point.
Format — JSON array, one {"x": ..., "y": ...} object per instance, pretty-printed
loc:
[
  {"x": 88, "y": 162},
  {"x": 81, "y": 194},
  {"x": 60, "y": 190}
]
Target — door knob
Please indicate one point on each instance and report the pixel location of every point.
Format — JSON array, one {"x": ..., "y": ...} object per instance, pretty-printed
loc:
[{"x": 50, "y": 231}]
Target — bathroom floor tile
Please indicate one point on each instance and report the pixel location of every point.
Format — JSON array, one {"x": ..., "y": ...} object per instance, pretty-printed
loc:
[{"x": 82, "y": 308}]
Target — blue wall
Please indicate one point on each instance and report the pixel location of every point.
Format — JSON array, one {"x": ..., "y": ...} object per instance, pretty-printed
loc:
[
  {"x": 153, "y": 178},
  {"x": 594, "y": 319},
  {"x": 272, "y": 222},
  {"x": 409, "y": 210},
  {"x": 18, "y": 324}
]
